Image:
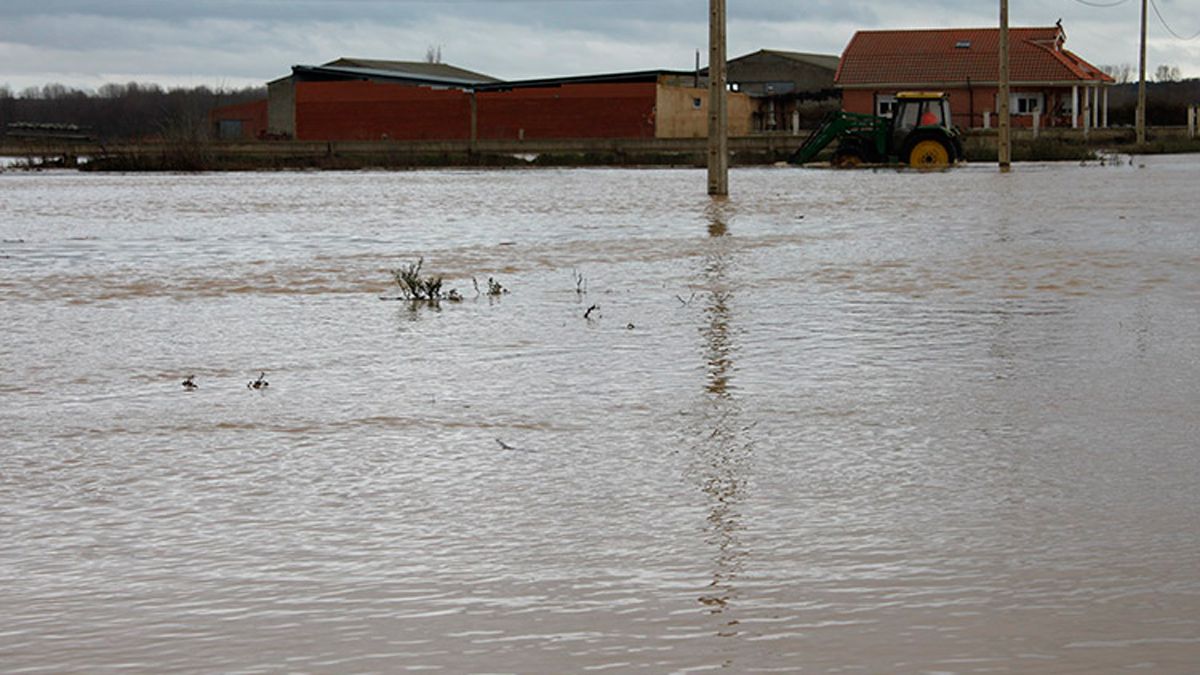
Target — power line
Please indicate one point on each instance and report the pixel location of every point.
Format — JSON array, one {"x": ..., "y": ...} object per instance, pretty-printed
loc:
[
  {"x": 1102, "y": 4},
  {"x": 1167, "y": 26}
]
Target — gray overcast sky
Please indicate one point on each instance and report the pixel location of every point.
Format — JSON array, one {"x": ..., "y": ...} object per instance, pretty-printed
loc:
[{"x": 86, "y": 43}]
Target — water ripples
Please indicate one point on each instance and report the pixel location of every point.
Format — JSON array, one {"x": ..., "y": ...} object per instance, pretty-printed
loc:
[{"x": 846, "y": 420}]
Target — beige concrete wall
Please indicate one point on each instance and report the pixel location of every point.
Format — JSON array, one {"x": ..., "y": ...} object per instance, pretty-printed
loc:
[
  {"x": 281, "y": 107},
  {"x": 682, "y": 112}
]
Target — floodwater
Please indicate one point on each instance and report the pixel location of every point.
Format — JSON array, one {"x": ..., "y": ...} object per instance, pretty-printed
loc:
[{"x": 880, "y": 422}]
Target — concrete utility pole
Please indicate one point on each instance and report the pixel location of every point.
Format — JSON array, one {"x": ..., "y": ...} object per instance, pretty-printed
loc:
[
  {"x": 1141, "y": 106},
  {"x": 718, "y": 113},
  {"x": 1004, "y": 142}
]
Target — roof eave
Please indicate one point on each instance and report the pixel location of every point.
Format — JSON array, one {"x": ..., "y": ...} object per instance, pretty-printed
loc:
[{"x": 973, "y": 83}]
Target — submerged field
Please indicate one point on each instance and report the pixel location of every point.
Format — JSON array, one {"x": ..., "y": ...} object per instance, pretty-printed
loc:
[{"x": 880, "y": 421}]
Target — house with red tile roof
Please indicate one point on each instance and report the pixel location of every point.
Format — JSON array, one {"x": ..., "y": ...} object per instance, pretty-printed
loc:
[{"x": 1049, "y": 85}]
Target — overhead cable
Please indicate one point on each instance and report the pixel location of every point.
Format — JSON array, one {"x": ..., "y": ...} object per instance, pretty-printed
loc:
[{"x": 1170, "y": 30}]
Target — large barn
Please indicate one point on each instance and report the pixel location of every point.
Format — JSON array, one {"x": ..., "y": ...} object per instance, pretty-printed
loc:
[{"x": 361, "y": 100}]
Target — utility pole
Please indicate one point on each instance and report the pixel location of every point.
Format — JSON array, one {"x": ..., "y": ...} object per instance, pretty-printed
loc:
[
  {"x": 1004, "y": 142},
  {"x": 718, "y": 113},
  {"x": 1141, "y": 105}
]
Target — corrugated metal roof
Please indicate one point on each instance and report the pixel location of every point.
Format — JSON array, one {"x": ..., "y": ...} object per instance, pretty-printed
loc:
[
  {"x": 828, "y": 61},
  {"x": 412, "y": 68},
  {"x": 634, "y": 76},
  {"x": 391, "y": 75},
  {"x": 953, "y": 55}
]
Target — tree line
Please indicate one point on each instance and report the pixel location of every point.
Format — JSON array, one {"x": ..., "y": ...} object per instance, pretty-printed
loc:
[
  {"x": 120, "y": 112},
  {"x": 1166, "y": 102},
  {"x": 135, "y": 111},
  {"x": 1124, "y": 73}
]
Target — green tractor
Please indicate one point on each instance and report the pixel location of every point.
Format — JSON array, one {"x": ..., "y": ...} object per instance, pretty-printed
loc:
[{"x": 918, "y": 133}]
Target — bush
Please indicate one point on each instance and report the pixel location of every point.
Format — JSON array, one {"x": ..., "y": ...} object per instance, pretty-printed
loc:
[{"x": 416, "y": 288}]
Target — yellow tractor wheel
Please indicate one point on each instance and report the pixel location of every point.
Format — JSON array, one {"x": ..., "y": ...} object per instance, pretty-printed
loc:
[{"x": 929, "y": 154}]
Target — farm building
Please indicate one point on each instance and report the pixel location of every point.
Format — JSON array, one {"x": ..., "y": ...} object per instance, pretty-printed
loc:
[
  {"x": 310, "y": 95},
  {"x": 645, "y": 104},
  {"x": 240, "y": 120},
  {"x": 1049, "y": 85},
  {"x": 791, "y": 90},
  {"x": 359, "y": 100}
]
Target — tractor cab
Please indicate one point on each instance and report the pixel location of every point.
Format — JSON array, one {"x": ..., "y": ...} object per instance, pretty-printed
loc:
[
  {"x": 922, "y": 134},
  {"x": 919, "y": 109}
]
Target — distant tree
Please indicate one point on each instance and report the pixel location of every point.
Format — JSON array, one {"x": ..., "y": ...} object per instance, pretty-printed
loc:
[
  {"x": 125, "y": 111},
  {"x": 433, "y": 54},
  {"x": 7, "y": 108},
  {"x": 1166, "y": 73},
  {"x": 1121, "y": 73}
]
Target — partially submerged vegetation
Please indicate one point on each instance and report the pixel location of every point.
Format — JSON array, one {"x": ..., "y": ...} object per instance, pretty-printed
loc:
[
  {"x": 417, "y": 288},
  {"x": 1044, "y": 149}
]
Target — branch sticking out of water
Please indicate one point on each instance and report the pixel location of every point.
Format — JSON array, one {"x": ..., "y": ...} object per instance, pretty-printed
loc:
[
  {"x": 416, "y": 288},
  {"x": 419, "y": 289},
  {"x": 588, "y": 314}
]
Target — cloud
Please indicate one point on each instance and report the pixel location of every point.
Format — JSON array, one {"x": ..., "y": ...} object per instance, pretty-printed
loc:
[{"x": 238, "y": 42}]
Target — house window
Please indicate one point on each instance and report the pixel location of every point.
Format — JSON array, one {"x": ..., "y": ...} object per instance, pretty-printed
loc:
[
  {"x": 1026, "y": 104},
  {"x": 885, "y": 105}
]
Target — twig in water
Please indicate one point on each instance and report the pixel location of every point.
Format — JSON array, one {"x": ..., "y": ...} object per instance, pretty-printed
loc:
[
  {"x": 588, "y": 314},
  {"x": 189, "y": 383},
  {"x": 260, "y": 383},
  {"x": 687, "y": 302},
  {"x": 415, "y": 287},
  {"x": 580, "y": 282}
]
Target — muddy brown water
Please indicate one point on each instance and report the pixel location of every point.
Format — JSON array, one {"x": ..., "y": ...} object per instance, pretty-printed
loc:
[{"x": 845, "y": 422}]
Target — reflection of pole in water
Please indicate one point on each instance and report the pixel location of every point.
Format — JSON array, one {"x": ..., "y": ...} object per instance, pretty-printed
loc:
[
  {"x": 722, "y": 454},
  {"x": 716, "y": 332}
]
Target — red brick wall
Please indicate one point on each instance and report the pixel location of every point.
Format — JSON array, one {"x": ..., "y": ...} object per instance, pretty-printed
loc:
[
  {"x": 966, "y": 114},
  {"x": 367, "y": 111},
  {"x": 569, "y": 111},
  {"x": 858, "y": 101},
  {"x": 354, "y": 111},
  {"x": 252, "y": 115}
]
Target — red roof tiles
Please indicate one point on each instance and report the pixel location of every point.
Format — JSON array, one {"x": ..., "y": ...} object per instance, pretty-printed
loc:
[{"x": 956, "y": 55}]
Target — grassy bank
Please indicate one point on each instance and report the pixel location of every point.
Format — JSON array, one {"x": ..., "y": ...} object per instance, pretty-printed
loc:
[
  {"x": 351, "y": 162},
  {"x": 1056, "y": 145},
  {"x": 1052, "y": 147}
]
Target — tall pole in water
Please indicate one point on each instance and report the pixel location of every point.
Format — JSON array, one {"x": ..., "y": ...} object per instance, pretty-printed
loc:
[
  {"x": 1141, "y": 104},
  {"x": 718, "y": 114},
  {"x": 1004, "y": 142}
]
